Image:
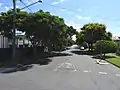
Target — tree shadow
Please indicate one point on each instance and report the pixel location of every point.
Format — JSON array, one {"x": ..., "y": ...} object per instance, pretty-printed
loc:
[
  {"x": 83, "y": 52},
  {"x": 102, "y": 57},
  {"x": 19, "y": 67},
  {"x": 43, "y": 61},
  {"x": 26, "y": 63},
  {"x": 107, "y": 57},
  {"x": 57, "y": 54}
]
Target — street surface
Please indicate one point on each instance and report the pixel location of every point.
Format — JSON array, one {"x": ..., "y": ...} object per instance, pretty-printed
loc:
[{"x": 75, "y": 72}]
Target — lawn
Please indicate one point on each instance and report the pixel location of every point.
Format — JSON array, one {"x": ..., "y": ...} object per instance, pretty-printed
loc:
[{"x": 114, "y": 59}]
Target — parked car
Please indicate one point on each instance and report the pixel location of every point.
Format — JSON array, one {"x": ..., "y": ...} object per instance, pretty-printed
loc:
[{"x": 82, "y": 48}]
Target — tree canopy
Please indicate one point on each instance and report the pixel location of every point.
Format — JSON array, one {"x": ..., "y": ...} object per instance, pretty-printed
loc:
[
  {"x": 41, "y": 28},
  {"x": 93, "y": 32}
]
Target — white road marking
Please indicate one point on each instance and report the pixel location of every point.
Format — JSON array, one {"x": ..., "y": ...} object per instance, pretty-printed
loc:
[
  {"x": 118, "y": 75},
  {"x": 58, "y": 66},
  {"x": 103, "y": 63},
  {"x": 66, "y": 65},
  {"x": 74, "y": 70},
  {"x": 86, "y": 71},
  {"x": 102, "y": 73}
]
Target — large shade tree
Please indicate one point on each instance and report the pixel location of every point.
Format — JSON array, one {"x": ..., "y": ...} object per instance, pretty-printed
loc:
[
  {"x": 93, "y": 32},
  {"x": 44, "y": 29},
  {"x": 41, "y": 28}
]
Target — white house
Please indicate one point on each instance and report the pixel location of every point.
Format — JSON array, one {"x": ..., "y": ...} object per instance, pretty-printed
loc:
[
  {"x": 116, "y": 39},
  {"x": 4, "y": 42}
]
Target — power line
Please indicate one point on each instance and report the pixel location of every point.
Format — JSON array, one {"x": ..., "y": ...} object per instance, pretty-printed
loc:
[
  {"x": 26, "y": 6},
  {"x": 70, "y": 10},
  {"x": 31, "y": 4}
]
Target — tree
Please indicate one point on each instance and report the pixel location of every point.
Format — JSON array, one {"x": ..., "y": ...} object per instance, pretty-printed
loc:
[
  {"x": 106, "y": 46},
  {"x": 80, "y": 38},
  {"x": 6, "y": 21},
  {"x": 70, "y": 42},
  {"x": 107, "y": 36},
  {"x": 118, "y": 49},
  {"x": 93, "y": 32},
  {"x": 70, "y": 31},
  {"x": 45, "y": 29}
]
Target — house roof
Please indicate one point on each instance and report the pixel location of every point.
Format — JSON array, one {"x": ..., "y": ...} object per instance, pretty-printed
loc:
[{"x": 116, "y": 38}]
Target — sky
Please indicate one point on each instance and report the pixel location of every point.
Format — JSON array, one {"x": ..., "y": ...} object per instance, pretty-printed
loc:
[{"x": 76, "y": 13}]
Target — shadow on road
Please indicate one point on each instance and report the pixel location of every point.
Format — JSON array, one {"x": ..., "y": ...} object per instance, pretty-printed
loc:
[
  {"x": 57, "y": 54},
  {"x": 83, "y": 52},
  {"x": 27, "y": 63},
  {"x": 7, "y": 70},
  {"x": 102, "y": 57}
]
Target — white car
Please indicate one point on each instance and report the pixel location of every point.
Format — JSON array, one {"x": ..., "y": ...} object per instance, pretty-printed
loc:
[{"x": 82, "y": 48}]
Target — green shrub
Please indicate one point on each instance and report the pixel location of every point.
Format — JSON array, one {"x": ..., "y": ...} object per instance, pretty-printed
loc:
[
  {"x": 106, "y": 46},
  {"x": 118, "y": 50}
]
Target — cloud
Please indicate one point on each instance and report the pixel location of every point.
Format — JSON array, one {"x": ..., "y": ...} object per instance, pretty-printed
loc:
[
  {"x": 29, "y": 1},
  {"x": 66, "y": 11},
  {"x": 6, "y": 8},
  {"x": 1, "y": 4},
  {"x": 57, "y": 2},
  {"x": 74, "y": 24},
  {"x": 82, "y": 18},
  {"x": 63, "y": 10}
]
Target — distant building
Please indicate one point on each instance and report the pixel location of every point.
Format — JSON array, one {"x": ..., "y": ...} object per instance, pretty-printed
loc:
[
  {"x": 116, "y": 39},
  {"x": 22, "y": 41}
]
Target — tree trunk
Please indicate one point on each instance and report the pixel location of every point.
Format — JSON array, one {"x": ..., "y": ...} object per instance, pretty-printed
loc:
[
  {"x": 89, "y": 46},
  {"x": 104, "y": 56}
]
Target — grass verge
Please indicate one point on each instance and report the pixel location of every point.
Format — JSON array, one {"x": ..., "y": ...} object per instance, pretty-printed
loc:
[{"x": 113, "y": 59}]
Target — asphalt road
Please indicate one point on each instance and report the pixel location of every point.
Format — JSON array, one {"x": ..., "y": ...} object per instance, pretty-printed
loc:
[{"x": 76, "y": 72}]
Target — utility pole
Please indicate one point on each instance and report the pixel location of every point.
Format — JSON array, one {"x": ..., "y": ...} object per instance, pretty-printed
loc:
[{"x": 14, "y": 32}]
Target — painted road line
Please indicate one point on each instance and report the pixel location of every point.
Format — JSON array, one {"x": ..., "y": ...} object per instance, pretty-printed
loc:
[
  {"x": 104, "y": 73},
  {"x": 118, "y": 75},
  {"x": 87, "y": 71}
]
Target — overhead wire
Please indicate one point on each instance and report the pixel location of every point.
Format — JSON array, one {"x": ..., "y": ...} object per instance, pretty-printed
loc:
[
  {"x": 26, "y": 6},
  {"x": 70, "y": 10},
  {"x": 31, "y": 4}
]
